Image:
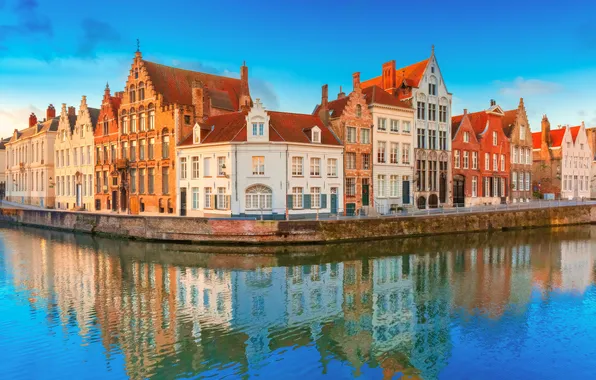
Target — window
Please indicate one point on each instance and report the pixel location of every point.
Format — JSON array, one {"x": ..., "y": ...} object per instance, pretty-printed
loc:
[
  {"x": 502, "y": 162},
  {"x": 495, "y": 187},
  {"x": 165, "y": 184},
  {"x": 150, "y": 153},
  {"x": 207, "y": 167},
  {"x": 381, "y": 186},
  {"x": 75, "y": 156},
  {"x": 106, "y": 129},
  {"x": 394, "y": 125},
  {"x": 495, "y": 162},
  {"x": 466, "y": 159},
  {"x": 316, "y": 136},
  {"x": 421, "y": 138},
  {"x": 88, "y": 154},
  {"x": 297, "y": 163},
  {"x": 474, "y": 186},
  {"x": 165, "y": 146},
  {"x": 365, "y": 136},
  {"x": 393, "y": 186},
  {"x": 97, "y": 183},
  {"x": 528, "y": 182},
  {"x": 514, "y": 155},
  {"x": 258, "y": 165},
  {"x": 195, "y": 167},
  {"x": 432, "y": 89},
  {"x": 222, "y": 202},
  {"x": 186, "y": 119},
  {"x": 331, "y": 167},
  {"x": 133, "y": 151},
  {"x": 258, "y": 197},
  {"x": 528, "y": 161},
  {"x": 351, "y": 135},
  {"x": 133, "y": 180},
  {"x": 208, "y": 192},
  {"x": 466, "y": 137},
  {"x": 142, "y": 122},
  {"x": 358, "y": 110},
  {"x": 142, "y": 148},
  {"x": 350, "y": 187},
  {"x": 350, "y": 160},
  {"x": 151, "y": 120},
  {"x": 142, "y": 181},
  {"x": 432, "y": 112},
  {"x": 486, "y": 161},
  {"x": 297, "y": 196},
  {"x": 183, "y": 169},
  {"x": 315, "y": 197},
  {"x": 442, "y": 114},
  {"x": 131, "y": 94},
  {"x": 394, "y": 154},
  {"x": 495, "y": 139},
  {"x": 406, "y": 126},
  {"x": 522, "y": 132},
  {"x": 258, "y": 129},
  {"x": 365, "y": 161},
  {"x": 105, "y": 182},
  {"x": 443, "y": 140},
  {"x": 124, "y": 151},
  {"x": 382, "y": 124},
  {"x": 315, "y": 167},
  {"x": 474, "y": 160},
  {"x": 514, "y": 180},
  {"x": 421, "y": 111},
  {"x": 456, "y": 159},
  {"x": 195, "y": 198},
  {"x": 151, "y": 181},
  {"x": 405, "y": 154},
  {"x": 381, "y": 152},
  {"x": 221, "y": 166},
  {"x": 133, "y": 124},
  {"x": 67, "y": 157}
]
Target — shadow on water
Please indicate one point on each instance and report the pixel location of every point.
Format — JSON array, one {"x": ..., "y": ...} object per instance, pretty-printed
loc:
[{"x": 416, "y": 307}]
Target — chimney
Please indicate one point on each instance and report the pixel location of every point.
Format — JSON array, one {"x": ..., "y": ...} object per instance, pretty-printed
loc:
[
  {"x": 545, "y": 131},
  {"x": 465, "y": 111},
  {"x": 245, "y": 101},
  {"x": 493, "y": 103},
  {"x": 83, "y": 102},
  {"x": 324, "y": 108},
  {"x": 32, "y": 120},
  {"x": 200, "y": 100},
  {"x": 72, "y": 111},
  {"x": 356, "y": 80},
  {"x": 389, "y": 80},
  {"x": 51, "y": 112},
  {"x": 341, "y": 93}
]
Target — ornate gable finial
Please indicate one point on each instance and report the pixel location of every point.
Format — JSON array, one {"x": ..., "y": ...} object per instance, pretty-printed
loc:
[
  {"x": 138, "y": 46},
  {"x": 432, "y": 52}
]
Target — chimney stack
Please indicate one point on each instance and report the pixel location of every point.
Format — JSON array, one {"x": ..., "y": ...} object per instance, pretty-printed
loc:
[
  {"x": 545, "y": 131},
  {"x": 51, "y": 112},
  {"x": 465, "y": 111},
  {"x": 389, "y": 79},
  {"x": 356, "y": 80},
  {"x": 324, "y": 109},
  {"x": 245, "y": 101},
  {"x": 493, "y": 102},
  {"x": 32, "y": 120},
  {"x": 341, "y": 93},
  {"x": 72, "y": 111}
]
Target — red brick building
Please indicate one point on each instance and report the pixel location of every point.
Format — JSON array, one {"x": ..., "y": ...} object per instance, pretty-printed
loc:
[
  {"x": 466, "y": 162},
  {"x": 350, "y": 119},
  {"x": 160, "y": 106},
  {"x": 105, "y": 143},
  {"x": 493, "y": 155}
]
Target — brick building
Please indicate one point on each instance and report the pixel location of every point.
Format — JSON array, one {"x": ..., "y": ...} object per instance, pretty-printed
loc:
[
  {"x": 517, "y": 129},
  {"x": 158, "y": 110},
  {"x": 351, "y": 120},
  {"x": 591, "y": 134},
  {"x": 493, "y": 154},
  {"x": 466, "y": 163},
  {"x": 105, "y": 154}
]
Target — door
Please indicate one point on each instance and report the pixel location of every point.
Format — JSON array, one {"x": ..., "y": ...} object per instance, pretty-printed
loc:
[
  {"x": 183, "y": 201},
  {"x": 123, "y": 200},
  {"x": 114, "y": 200},
  {"x": 443, "y": 188},
  {"x": 405, "y": 192},
  {"x": 365, "y": 193},
  {"x": 79, "y": 195},
  {"x": 458, "y": 191}
]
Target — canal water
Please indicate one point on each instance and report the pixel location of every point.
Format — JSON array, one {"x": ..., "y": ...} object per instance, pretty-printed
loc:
[{"x": 518, "y": 304}]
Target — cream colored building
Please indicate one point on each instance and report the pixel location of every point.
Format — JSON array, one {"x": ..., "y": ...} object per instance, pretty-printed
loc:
[
  {"x": 30, "y": 162},
  {"x": 73, "y": 153}
]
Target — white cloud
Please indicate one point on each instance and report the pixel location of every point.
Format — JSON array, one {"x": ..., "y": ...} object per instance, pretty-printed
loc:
[{"x": 521, "y": 87}]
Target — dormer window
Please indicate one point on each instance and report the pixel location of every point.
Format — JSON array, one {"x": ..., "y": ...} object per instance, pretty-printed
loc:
[
  {"x": 315, "y": 135},
  {"x": 258, "y": 129},
  {"x": 196, "y": 134}
]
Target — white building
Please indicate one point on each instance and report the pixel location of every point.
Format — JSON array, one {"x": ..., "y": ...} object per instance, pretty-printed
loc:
[
  {"x": 576, "y": 163},
  {"x": 73, "y": 152},
  {"x": 258, "y": 163},
  {"x": 393, "y": 142},
  {"x": 30, "y": 162}
]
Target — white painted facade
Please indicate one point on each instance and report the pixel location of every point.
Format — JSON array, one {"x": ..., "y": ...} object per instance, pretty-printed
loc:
[
  {"x": 593, "y": 181},
  {"x": 393, "y": 161},
  {"x": 255, "y": 177},
  {"x": 576, "y": 165},
  {"x": 74, "y": 157},
  {"x": 432, "y": 135}
]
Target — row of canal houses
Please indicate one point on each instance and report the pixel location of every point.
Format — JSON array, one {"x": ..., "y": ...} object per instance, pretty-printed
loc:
[{"x": 187, "y": 143}]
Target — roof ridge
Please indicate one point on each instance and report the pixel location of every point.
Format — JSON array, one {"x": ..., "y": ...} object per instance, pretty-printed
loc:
[{"x": 192, "y": 71}]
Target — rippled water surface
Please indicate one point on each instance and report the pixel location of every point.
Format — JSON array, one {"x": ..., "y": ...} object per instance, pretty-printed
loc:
[{"x": 506, "y": 305}]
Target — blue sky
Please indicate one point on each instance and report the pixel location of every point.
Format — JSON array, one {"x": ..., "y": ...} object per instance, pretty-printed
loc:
[{"x": 54, "y": 51}]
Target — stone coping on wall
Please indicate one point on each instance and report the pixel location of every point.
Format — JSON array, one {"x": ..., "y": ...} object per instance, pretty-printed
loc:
[{"x": 242, "y": 231}]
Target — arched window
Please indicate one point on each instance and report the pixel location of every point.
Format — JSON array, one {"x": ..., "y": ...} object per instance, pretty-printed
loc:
[
  {"x": 141, "y": 91},
  {"x": 142, "y": 119},
  {"x": 136, "y": 73},
  {"x": 358, "y": 110},
  {"x": 133, "y": 124},
  {"x": 124, "y": 125},
  {"x": 258, "y": 197},
  {"x": 105, "y": 125},
  {"x": 151, "y": 117},
  {"x": 131, "y": 94},
  {"x": 165, "y": 144}
]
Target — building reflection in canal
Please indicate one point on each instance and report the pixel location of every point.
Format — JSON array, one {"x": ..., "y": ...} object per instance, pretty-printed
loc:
[{"x": 381, "y": 307}]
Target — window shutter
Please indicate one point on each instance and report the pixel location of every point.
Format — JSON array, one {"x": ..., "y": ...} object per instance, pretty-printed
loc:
[
  {"x": 214, "y": 201},
  {"x": 289, "y": 201},
  {"x": 323, "y": 200},
  {"x": 306, "y": 200}
]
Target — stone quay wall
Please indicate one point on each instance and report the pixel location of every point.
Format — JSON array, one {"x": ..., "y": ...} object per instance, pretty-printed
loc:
[{"x": 233, "y": 231}]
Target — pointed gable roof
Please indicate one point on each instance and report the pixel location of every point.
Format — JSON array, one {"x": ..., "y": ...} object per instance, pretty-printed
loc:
[
  {"x": 574, "y": 132},
  {"x": 478, "y": 121},
  {"x": 509, "y": 119},
  {"x": 412, "y": 75},
  {"x": 376, "y": 95},
  {"x": 175, "y": 85}
]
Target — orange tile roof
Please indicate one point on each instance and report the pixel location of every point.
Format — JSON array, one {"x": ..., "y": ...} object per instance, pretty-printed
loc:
[
  {"x": 536, "y": 140},
  {"x": 175, "y": 85},
  {"x": 509, "y": 121},
  {"x": 574, "y": 131},
  {"x": 375, "y": 94},
  {"x": 283, "y": 126},
  {"x": 477, "y": 119},
  {"x": 412, "y": 74},
  {"x": 556, "y": 137}
]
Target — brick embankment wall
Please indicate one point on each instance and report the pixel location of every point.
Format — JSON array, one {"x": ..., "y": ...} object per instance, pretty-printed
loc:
[{"x": 202, "y": 230}]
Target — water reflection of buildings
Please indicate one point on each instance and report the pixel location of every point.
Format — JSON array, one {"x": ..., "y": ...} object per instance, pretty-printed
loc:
[{"x": 392, "y": 313}]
